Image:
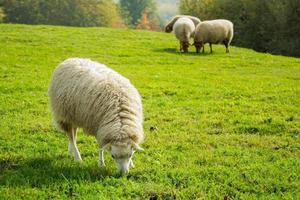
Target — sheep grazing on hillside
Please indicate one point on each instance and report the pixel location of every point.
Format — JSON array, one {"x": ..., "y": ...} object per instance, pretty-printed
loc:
[
  {"x": 86, "y": 94},
  {"x": 170, "y": 24},
  {"x": 183, "y": 27},
  {"x": 213, "y": 32},
  {"x": 183, "y": 30}
]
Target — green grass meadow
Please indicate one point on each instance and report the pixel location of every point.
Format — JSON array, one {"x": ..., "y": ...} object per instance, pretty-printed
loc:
[{"x": 216, "y": 125}]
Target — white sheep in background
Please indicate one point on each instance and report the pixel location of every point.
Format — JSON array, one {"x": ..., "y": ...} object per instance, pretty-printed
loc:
[
  {"x": 213, "y": 32},
  {"x": 86, "y": 94},
  {"x": 183, "y": 27},
  {"x": 183, "y": 30},
  {"x": 170, "y": 24}
]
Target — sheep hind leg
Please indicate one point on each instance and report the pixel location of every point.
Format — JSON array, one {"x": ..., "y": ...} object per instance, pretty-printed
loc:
[
  {"x": 101, "y": 158},
  {"x": 210, "y": 48},
  {"x": 73, "y": 150}
]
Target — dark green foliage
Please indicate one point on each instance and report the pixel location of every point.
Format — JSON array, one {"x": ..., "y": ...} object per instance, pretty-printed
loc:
[
  {"x": 132, "y": 10},
  {"x": 263, "y": 25},
  {"x": 62, "y": 12},
  {"x": 1, "y": 15},
  {"x": 291, "y": 31}
]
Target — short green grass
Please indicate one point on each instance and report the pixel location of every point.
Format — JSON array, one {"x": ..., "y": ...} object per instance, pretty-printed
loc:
[{"x": 216, "y": 125}]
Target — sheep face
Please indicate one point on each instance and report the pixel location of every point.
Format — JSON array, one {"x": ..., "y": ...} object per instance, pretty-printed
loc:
[
  {"x": 184, "y": 46},
  {"x": 198, "y": 46},
  {"x": 122, "y": 154},
  {"x": 168, "y": 29}
]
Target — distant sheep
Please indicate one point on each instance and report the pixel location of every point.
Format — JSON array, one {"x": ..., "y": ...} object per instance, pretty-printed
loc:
[
  {"x": 170, "y": 24},
  {"x": 213, "y": 32},
  {"x": 86, "y": 94},
  {"x": 183, "y": 30}
]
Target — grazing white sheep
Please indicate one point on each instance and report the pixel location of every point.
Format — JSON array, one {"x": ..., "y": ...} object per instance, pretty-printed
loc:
[
  {"x": 170, "y": 24},
  {"x": 86, "y": 94},
  {"x": 183, "y": 30},
  {"x": 213, "y": 32}
]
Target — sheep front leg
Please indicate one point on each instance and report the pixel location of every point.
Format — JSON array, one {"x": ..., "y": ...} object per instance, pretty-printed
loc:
[
  {"x": 226, "y": 45},
  {"x": 131, "y": 163},
  {"x": 101, "y": 158},
  {"x": 73, "y": 150}
]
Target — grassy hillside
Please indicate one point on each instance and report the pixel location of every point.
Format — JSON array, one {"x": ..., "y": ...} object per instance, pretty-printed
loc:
[{"x": 217, "y": 125}]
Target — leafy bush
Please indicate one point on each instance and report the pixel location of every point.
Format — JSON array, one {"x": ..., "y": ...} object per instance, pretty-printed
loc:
[{"x": 1, "y": 15}]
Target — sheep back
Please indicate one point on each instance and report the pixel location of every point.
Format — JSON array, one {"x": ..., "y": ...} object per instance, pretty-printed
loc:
[{"x": 89, "y": 95}]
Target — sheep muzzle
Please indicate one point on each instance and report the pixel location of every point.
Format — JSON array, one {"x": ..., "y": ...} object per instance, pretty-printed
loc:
[
  {"x": 198, "y": 46},
  {"x": 185, "y": 46}
]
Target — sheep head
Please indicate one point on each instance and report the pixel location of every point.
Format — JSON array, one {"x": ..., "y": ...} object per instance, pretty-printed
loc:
[
  {"x": 185, "y": 46},
  {"x": 169, "y": 28},
  {"x": 198, "y": 46},
  {"x": 122, "y": 154}
]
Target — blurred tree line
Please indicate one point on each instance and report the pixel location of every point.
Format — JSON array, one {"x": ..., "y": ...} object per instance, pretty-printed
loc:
[
  {"x": 264, "y": 25},
  {"x": 131, "y": 13},
  {"x": 62, "y": 12},
  {"x": 141, "y": 14},
  {"x": 1, "y": 11}
]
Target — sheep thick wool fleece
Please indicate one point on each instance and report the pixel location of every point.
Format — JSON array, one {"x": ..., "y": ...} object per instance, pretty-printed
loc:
[
  {"x": 183, "y": 29},
  {"x": 89, "y": 95},
  {"x": 214, "y": 31}
]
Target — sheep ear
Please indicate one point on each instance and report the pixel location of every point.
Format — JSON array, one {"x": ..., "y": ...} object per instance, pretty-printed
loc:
[
  {"x": 106, "y": 146},
  {"x": 137, "y": 147}
]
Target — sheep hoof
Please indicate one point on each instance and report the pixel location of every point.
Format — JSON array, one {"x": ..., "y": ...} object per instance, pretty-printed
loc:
[
  {"x": 78, "y": 159},
  {"x": 101, "y": 163},
  {"x": 132, "y": 165}
]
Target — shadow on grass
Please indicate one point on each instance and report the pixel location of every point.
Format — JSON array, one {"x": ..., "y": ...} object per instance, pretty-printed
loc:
[
  {"x": 40, "y": 172},
  {"x": 176, "y": 52}
]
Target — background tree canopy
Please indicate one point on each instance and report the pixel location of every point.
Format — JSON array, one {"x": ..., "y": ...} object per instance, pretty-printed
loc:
[
  {"x": 62, "y": 12},
  {"x": 264, "y": 25},
  {"x": 135, "y": 13},
  {"x": 132, "y": 10}
]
